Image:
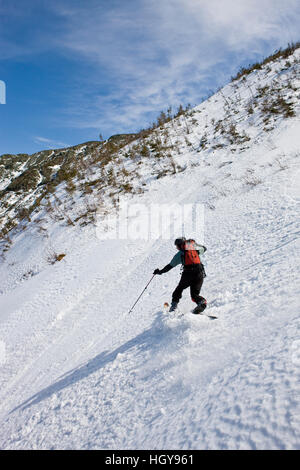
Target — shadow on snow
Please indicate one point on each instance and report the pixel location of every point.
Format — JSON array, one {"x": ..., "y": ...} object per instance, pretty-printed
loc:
[{"x": 157, "y": 336}]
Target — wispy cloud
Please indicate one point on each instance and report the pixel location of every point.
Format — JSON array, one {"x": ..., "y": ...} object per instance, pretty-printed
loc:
[
  {"x": 157, "y": 53},
  {"x": 49, "y": 143},
  {"x": 26, "y": 29},
  {"x": 135, "y": 58}
]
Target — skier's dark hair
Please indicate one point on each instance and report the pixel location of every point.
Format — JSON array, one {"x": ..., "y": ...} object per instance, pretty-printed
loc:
[{"x": 179, "y": 241}]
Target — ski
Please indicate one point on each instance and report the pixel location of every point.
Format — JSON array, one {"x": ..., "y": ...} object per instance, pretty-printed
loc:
[
  {"x": 167, "y": 306},
  {"x": 212, "y": 317}
]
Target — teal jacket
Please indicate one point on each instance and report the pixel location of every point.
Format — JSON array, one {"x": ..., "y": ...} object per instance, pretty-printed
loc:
[{"x": 179, "y": 258}]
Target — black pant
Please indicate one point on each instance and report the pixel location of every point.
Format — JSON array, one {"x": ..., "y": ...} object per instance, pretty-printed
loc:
[{"x": 192, "y": 278}]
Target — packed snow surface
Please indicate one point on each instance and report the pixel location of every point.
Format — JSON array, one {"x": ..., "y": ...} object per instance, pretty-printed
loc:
[{"x": 79, "y": 372}]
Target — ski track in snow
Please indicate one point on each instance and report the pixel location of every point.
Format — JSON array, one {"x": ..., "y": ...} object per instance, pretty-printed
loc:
[{"x": 80, "y": 373}]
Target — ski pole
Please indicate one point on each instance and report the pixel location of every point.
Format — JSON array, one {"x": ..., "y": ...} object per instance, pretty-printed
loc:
[{"x": 140, "y": 295}]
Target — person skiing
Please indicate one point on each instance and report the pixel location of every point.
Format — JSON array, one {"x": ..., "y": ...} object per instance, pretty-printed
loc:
[{"x": 193, "y": 272}]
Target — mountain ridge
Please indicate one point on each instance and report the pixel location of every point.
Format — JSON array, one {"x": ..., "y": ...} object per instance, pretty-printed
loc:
[{"x": 29, "y": 181}]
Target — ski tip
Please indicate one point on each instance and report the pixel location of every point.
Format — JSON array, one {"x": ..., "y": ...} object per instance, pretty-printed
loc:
[{"x": 204, "y": 314}]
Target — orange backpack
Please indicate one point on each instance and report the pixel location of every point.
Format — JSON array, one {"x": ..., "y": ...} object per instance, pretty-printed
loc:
[{"x": 191, "y": 255}]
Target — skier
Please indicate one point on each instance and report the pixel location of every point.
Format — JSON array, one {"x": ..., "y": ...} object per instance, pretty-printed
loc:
[{"x": 193, "y": 272}]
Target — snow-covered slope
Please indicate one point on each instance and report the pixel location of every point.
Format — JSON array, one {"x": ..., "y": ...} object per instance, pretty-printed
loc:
[{"x": 78, "y": 371}]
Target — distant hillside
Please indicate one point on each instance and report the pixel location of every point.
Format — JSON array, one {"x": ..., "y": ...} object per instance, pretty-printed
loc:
[{"x": 69, "y": 185}]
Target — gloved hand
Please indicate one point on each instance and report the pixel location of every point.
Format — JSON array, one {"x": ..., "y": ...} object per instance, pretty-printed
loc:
[{"x": 157, "y": 271}]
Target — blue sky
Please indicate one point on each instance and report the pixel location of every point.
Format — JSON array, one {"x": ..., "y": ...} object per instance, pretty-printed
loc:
[{"x": 74, "y": 69}]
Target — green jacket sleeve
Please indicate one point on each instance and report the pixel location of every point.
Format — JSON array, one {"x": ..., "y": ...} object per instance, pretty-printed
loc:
[{"x": 177, "y": 259}]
